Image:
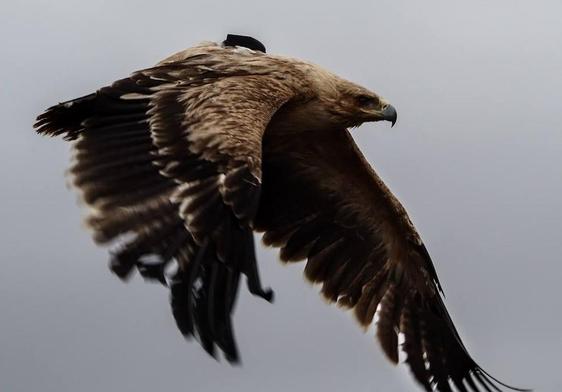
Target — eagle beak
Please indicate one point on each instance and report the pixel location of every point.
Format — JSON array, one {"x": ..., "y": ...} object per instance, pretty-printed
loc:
[{"x": 389, "y": 114}]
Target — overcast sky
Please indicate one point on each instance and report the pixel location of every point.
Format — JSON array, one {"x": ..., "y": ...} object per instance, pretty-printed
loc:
[{"x": 476, "y": 157}]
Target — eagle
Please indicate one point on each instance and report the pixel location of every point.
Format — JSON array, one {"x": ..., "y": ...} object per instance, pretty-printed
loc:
[{"x": 182, "y": 162}]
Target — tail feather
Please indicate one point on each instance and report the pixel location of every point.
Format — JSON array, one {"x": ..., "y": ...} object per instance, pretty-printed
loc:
[{"x": 204, "y": 294}]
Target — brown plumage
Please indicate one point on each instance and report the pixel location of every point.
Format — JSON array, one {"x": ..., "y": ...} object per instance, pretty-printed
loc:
[{"x": 182, "y": 162}]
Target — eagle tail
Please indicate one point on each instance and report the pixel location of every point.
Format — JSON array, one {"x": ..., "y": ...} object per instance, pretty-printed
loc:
[{"x": 203, "y": 295}]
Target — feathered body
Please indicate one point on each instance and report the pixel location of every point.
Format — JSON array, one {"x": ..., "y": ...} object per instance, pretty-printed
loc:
[{"x": 183, "y": 161}]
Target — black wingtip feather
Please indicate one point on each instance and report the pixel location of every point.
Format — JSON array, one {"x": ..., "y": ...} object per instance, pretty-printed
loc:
[
  {"x": 181, "y": 308},
  {"x": 488, "y": 376},
  {"x": 153, "y": 271},
  {"x": 251, "y": 270},
  {"x": 122, "y": 263}
]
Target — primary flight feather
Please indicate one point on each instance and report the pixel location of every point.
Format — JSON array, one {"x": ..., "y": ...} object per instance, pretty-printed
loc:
[{"x": 182, "y": 162}]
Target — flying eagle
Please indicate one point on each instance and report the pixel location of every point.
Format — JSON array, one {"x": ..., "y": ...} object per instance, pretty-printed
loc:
[{"x": 180, "y": 163}]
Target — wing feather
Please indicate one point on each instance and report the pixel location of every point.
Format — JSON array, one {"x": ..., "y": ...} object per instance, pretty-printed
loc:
[
  {"x": 321, "y": 201},
  {"x": 169, "y": 160}
]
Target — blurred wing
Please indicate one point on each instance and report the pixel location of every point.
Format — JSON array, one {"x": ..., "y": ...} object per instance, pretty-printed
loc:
[
  {"x": 322, "y": 202},
  {"x": 171, "y": 158}
]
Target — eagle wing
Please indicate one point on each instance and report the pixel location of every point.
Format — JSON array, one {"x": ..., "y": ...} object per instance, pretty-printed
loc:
[
  {"x": 169, "y": 162},
  {"x": 322, "y": 202}
]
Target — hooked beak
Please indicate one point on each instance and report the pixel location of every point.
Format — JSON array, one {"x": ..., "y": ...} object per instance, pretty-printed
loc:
[{"x": 389, "y": 114}]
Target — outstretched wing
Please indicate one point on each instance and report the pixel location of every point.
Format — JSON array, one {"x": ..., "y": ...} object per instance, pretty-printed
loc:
[
  {"x": 322, "y": 202},
  {"x": 170, "y": 160}
]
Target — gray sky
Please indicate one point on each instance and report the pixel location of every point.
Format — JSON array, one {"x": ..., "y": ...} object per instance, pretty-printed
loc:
[{"x": 476, "y": 157}]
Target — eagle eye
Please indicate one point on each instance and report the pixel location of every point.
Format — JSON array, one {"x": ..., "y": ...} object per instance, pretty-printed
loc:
[{"x": 366, "y": 101}]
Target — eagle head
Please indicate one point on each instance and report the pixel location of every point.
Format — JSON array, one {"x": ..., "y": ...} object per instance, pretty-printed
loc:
[
  {"x": 361, "y": 105},
  {"x": 341, "y": 103}
]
